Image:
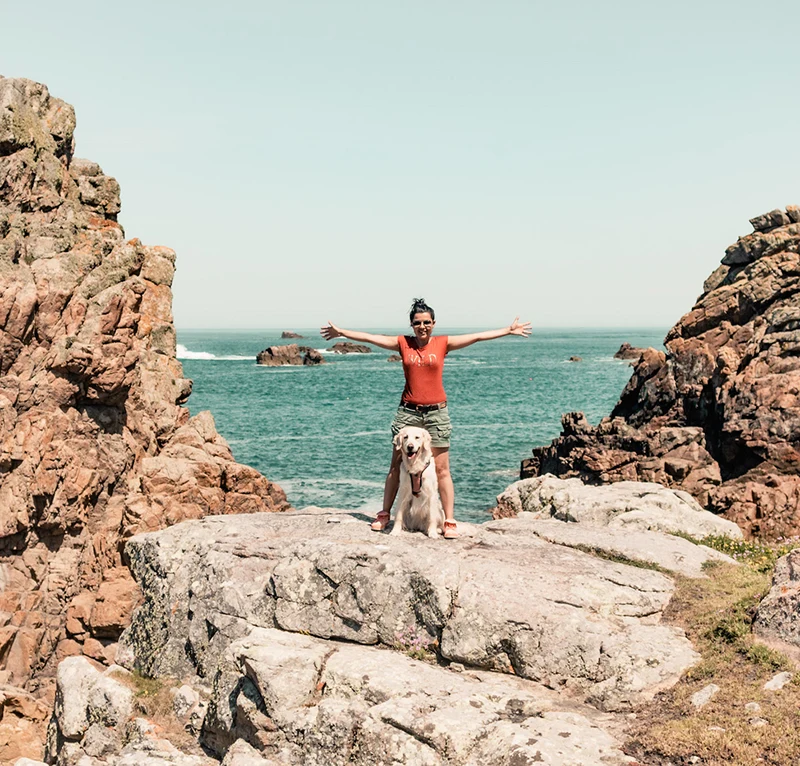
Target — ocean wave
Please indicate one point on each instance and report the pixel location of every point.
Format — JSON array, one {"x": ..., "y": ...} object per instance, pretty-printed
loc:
[{"x": 181, "y": 352}]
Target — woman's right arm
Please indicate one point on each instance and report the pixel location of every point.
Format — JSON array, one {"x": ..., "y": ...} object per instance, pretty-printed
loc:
[{"x": 331, "y": 331}]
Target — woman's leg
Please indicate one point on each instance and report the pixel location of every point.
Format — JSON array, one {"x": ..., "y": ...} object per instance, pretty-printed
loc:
[
  {"x": 441, "y": 459},
  {"x": 389, "y": 493}
]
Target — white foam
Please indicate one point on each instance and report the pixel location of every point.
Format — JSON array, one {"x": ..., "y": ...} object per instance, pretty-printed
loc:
[{"x": 181, "y": 352}]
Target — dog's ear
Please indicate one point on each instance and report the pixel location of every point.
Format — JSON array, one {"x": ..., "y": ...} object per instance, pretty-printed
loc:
[
  {"x": 398, "y": 440},
  {"x": 426, "y": 440}
]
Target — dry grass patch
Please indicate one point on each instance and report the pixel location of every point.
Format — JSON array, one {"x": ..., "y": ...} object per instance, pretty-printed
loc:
[
  {"x": 153, "y": 700},
  {"x": 717, "y": 615}
]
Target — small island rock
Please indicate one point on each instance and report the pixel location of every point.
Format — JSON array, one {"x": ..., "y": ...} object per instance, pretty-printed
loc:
[
  {"x": 276, "y": 356},
  {"x": 575, "y": 359},
  {"x": 626, "y": 351},
  {"x": 290, "y": 334},
  {"x": 394, "y": 358},
  {"x": 350, "y": 348}
]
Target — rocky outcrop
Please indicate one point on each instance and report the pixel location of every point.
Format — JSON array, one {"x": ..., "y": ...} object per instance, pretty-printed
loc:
[
  {"x": 95, "y": 445},
  {"x": 569, "y": 619},
  {"x": 626, "y": 351},
  {"x": 324, "y": 643},
  {"x": 350, "y": 348},
  {"x": 289, "y": 334},
  {"x": 292, "y": 354},
  {"x": 394, "y": 358},
  {"x": 778, "y": 616},
  {"x": 718, "y": 414},
  {"x": 575, "y": 359}
]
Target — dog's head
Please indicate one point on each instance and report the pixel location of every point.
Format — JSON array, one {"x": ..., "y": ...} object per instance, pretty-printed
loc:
[{"x": 413, "y": 443}]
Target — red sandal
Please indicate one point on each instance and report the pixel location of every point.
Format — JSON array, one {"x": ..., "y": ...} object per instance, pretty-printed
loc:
[
  {"x": 381, "y": 521},
  {"x": 450, "y": 531}
]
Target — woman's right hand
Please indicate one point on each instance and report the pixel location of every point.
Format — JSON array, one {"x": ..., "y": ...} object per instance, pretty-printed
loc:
[{"x": 331, "y": 331}]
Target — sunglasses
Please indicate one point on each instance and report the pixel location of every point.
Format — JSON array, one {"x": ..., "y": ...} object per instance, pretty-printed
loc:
[{"x": 418, "y": 322}]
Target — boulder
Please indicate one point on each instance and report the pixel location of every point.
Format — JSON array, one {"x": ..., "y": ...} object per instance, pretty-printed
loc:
[
  {"x": 778, "y": 616},
  {"x": 345, "y": 347},
  {"x": 394, "y": 358},
  {"x": 626, "y": 351},
  {"x": 718, "y": 414},
  {"x": 291, "y": 354},
  {"x": 306, "y": 700},
  {"x": 95, "y": 441},
  {"x": 289, "y": 334},
  {"x": 502, "y": 599}
]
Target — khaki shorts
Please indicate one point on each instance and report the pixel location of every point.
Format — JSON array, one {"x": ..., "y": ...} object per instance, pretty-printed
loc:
[{"x": 435, "y": 422}]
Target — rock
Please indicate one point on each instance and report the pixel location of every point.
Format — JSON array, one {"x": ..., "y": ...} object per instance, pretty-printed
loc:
[
  {"x": 289, "y": 334},
  {"x": 752, "y": 707},
  {"x": 95, "y": 443},
  {"x": 718, "y": 414},
  {"x": 575, "y": 359},
  {"x": 758, "y": 722},
  {"x": 240, "y": 753},
  {"x": 703, "y": 697},
  {"x": 778, "y": 681},
  {"x": 23, "y": 722},
  {"x": 346, "y": 347},
  {"x": 573, "y": 619},
  {"x": 292, "y": 354},
  {"x": 394, "y": 358},
  {"x": 629, "y": 505},
  {"x": 771, "y": 220},
  {"x": 338, "y": 703},
  {"x": 626, "y": 351},
  {"x": 778, "y": 615},
  {"x": 27, "y": 762},
  {"x": 184, "y": 698}
]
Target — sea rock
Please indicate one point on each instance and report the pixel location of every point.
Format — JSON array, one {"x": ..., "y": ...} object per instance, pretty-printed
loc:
[
  {"x": 350, "y": 348},
  {"x": 289, "y": 334},
  {"x": 394, "y": 358},
  {"x": 292, "y": 354},
  {"x": 575, "y": 359},
  {"x": 95, "y": 443},
  {"x": 502, "y": 599},
  {"x": 718, "y": 414},
  {"x": 626, "y": 351}
]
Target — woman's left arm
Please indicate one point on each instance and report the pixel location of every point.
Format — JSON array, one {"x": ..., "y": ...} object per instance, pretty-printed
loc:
[{"x": 455, "y": 342}]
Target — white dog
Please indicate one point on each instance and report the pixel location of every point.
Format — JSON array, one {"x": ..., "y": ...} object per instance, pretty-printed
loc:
[{"x": 418, "y": 504}]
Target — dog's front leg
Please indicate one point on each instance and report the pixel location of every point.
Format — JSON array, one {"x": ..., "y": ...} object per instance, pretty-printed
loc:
[{"x": 403, "y": 504}]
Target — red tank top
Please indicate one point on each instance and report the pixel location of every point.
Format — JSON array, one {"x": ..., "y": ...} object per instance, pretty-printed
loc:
[{"x": 423, "y": 369}]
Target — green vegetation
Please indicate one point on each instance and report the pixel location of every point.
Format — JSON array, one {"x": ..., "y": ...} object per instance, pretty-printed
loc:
[{"x": 717, "y": 614}]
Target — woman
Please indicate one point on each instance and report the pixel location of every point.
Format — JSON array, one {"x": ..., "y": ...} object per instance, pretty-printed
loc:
[{"x": 424, "y": 403}]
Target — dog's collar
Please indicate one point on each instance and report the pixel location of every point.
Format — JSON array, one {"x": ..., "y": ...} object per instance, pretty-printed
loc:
[{"x": 416, "y": 480}]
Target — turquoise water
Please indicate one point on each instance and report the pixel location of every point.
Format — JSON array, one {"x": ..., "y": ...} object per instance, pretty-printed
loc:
[{"x": 323, "y": 432}]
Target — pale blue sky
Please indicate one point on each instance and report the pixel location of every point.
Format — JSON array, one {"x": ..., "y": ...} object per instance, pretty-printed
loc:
[{"x": 577, "y": 163}]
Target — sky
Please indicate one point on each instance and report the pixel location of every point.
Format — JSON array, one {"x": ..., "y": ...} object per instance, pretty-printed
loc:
[{"x": 577, "y": 164}]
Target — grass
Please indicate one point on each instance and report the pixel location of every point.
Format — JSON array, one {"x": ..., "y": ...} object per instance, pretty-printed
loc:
[
  {"x": 717, "y": 614},
  {"x": 152, "y": 700},
  {"x": 619, "y": 558}
]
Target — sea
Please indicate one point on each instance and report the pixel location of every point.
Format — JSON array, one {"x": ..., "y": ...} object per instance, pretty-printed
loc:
[{"x": 322, "y": 432}]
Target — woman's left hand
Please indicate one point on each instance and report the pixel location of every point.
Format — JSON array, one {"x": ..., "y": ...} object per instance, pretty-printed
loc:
[{"x": 519, "y": 328}]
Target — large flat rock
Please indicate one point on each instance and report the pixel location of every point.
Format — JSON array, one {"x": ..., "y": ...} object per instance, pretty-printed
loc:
[
  {"x": 503, "y": 599},
  {"x": 299, "y": 699}
]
